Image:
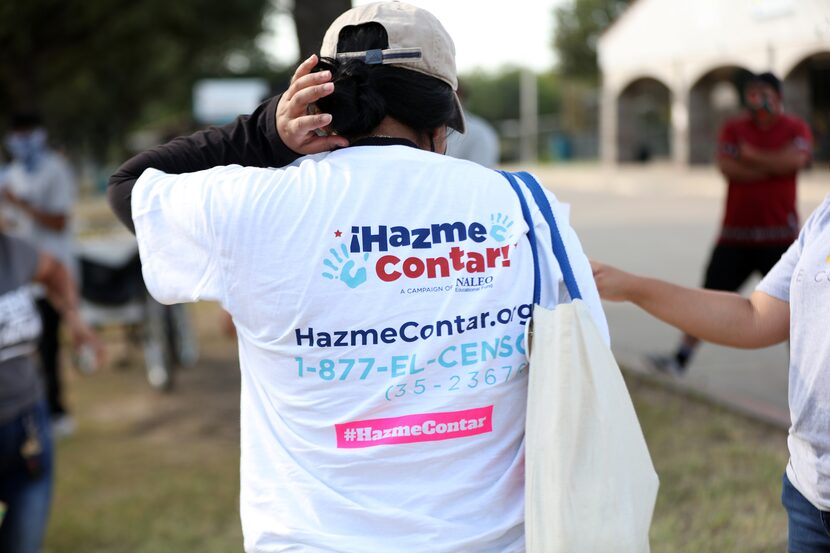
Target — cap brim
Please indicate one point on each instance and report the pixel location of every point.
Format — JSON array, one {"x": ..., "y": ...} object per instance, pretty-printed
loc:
[{"x": 458, "y": 122}]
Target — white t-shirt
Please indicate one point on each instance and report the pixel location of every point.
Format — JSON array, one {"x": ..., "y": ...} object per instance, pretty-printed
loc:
[
  {"x": 50, "y": 188},
  {"x": 802, "y": 278},
  {"x": 380, "y": 295},
  {"x": 479, "y": 143}
]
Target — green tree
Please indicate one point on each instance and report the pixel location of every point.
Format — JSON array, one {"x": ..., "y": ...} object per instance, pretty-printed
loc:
[
  {"x": 312, "y": 19},
  {"x": 495, "y": 95},
  {"x": 578, "y": 26},
  {"x": 96, "y": 67}
]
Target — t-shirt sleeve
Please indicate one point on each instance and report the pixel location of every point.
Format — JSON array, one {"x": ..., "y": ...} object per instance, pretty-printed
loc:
[
  {"x": 61, "y": 192},
  {"x": 553, "y": 289},
  {"x": 728, "y": 141},
  {"x": 250, "y": 140},
  {"x": 777, "y": 281},
  {"x": 803, "y": 139},
  {"x": 24, "y": 258},
  {"x": 178, "y": 220}
]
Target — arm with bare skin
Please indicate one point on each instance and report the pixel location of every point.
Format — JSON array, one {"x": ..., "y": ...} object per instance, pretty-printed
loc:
[
  {"x": 777, "y": 162},
  {"x": 61, "y": 292},
  {"x": 52, "y": 221},
  {"x": 719, "y": 317}
]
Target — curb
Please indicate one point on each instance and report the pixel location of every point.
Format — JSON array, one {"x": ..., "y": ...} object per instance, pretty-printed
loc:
[{"x": 755, "y": 410}]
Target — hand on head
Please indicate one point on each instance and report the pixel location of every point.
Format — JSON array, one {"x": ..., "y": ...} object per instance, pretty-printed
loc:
[{"x": 295, "y": 124}]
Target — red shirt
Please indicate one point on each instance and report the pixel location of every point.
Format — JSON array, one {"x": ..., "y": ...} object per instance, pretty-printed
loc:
[{"x": 762, "y": 212}]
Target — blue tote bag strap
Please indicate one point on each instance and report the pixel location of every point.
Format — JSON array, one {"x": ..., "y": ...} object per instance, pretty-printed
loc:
[
  {"x": 556, "y": 238},
  {"x": 531, "y": 234}
]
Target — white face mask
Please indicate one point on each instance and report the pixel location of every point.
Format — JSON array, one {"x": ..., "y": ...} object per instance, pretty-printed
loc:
[{"x": 27, "y": 147}]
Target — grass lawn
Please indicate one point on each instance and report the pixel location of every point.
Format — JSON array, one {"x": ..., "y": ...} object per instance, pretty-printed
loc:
[{"x": 150, "y": 473}]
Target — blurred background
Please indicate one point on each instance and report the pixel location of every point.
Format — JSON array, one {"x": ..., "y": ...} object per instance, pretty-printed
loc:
[{"x": 615, "y": 104}]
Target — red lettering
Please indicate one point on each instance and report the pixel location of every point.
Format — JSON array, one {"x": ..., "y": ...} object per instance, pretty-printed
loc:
[
  {"x": 413, "y": 267},
  {"x": 382, "y": 265},
  {"x": 390, "y": 268},
  {"x": 440, "y": 263},
  {"x": 476, "y": 262},
  {"x": 456, "y": 255},
  {"x": 492, "y": 255}
]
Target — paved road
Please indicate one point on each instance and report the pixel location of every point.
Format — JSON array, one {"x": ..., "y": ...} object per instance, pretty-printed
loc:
[{"x": 661, "y": 221}]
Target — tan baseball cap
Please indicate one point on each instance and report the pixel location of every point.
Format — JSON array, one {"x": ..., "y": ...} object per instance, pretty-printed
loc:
[{"x": 417, "y": 41}]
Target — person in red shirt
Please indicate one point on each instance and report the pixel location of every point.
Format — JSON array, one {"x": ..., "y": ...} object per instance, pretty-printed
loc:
[{"x": 760, "y": 154}]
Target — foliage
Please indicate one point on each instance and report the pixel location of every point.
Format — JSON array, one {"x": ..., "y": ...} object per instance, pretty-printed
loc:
[
  {"x": 495, "y": 95},
  {"x": 96, "y": 67},
  {"x": 578, "y": 26},
  {"x": 312, "y": 19}
]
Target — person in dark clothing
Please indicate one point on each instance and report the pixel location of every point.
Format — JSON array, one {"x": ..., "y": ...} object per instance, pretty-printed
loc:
[{"x": 25, "y": 435}]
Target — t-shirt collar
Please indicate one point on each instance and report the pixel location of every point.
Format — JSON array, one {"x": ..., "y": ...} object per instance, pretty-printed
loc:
[{"x": 383, "y": 141}]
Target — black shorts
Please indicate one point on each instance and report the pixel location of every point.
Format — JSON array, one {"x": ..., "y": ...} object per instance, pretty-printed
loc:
[{"x": 731, "y": 266}]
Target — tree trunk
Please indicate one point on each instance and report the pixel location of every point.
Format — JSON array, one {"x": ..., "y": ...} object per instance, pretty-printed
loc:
[{"x": 312, "y": 18}]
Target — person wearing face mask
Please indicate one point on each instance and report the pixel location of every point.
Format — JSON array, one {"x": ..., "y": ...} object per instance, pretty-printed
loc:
[
  {"x": 39, "y": 191},
  {"x": 760, "y": 153}
]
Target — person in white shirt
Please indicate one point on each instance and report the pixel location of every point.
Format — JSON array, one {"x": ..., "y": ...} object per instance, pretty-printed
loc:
[
  {"x": 790, "y": 303},
  {"x": 380, "y": 292},
  {"x": 40, "y": 189},
  {"x": 479, "y": 142}
]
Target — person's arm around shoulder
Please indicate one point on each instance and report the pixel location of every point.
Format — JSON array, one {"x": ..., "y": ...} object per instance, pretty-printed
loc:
[
  {"x": 61, "y": 292},
  {"x": 722, "y": 318}
]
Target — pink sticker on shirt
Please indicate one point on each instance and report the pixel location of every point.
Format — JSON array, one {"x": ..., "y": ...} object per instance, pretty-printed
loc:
[{"x": 426, "y": 427}]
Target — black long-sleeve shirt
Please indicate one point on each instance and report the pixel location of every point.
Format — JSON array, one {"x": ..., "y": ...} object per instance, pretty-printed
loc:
[{"x": 250, "y": 140}]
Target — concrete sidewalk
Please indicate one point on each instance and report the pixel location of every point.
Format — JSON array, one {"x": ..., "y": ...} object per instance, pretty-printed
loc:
[{"x": 662, "y": 221}]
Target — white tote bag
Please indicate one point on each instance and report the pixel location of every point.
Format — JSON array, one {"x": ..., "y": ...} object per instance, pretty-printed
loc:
[{"x": 590, "y": 485}]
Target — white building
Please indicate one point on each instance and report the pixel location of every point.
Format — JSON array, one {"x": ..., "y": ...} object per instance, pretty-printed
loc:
[{"x": 671, "y": 72}]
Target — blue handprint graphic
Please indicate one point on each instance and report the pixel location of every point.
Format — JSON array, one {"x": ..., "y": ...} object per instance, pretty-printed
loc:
[
  {"x": 500, "y": 227},
  {"x": 341, "y": 266}
]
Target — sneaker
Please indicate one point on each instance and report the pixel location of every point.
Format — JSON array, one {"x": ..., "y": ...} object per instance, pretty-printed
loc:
[
  {"x": 62, "y": 426},
  {"x": 665, "y": 364}
]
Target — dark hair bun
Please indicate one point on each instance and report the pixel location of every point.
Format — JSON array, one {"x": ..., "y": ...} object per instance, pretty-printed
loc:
[
  {"x": 356, "y": 105},
  {"x": 364, "y": 94}
]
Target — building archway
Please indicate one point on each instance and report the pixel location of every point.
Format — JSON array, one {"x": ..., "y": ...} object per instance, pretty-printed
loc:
[
  {"x": 644, "y": 121},
  {"x": 715, "y": 97},
  {"x": 807, "y": 95}
]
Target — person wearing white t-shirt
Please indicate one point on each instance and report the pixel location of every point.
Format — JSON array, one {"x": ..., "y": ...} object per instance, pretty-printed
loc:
[
  {"x": 40, "y": 190},
  {"x": 792, "y": 303},
  {"x": 380, "y": 292},
  {"x": 479, "y": 143}
]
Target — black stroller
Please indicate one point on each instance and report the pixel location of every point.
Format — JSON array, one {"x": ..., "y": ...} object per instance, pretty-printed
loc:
[{"x": 113, "y": 294}]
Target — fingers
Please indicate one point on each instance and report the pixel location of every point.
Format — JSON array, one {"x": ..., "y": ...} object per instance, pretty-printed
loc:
[
  {"x": 310, "y": 95},
  {"x": 304, "y": 68},
  {"x": 309, "y": 123},
  {"x": 294, "y": 123},
  {"x": 303, "y": 77},
  {"x": 307, "y": 90},
  {"x": 324, "y": 144}
]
